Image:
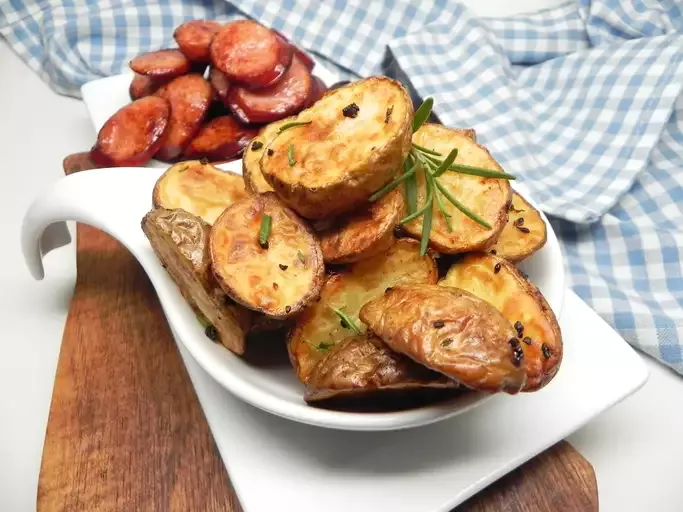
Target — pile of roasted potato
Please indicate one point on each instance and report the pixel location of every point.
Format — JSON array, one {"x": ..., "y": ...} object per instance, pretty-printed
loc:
[{"x": 296, "y": 246}]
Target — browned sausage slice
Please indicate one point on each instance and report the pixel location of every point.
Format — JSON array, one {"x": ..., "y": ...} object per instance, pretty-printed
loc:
[
  {"x": 189, "y": 97},
  {"x": 250, "y": 54},
  {"x": 77, "y": 162},
  {"x": 142, "y": 86},
  {"x": 194, "y": 38},
  {"x": 220, "y": 84},
  {"x": 133, "y": 134},
  {"x": 305, "y": 59},
  {"x": 287, "y": 97},
  {"x": 161, "y": 64},
  {"x": 222, "y": 138}
]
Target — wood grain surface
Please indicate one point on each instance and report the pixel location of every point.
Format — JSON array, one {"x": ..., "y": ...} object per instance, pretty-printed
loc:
[{"x": 126, "y": 432}]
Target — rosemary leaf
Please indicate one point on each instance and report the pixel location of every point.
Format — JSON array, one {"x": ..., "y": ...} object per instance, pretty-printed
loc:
[
  {"x": 346, "y": 321},
  {"x": 428, "y": 151},
  {"x": 264, "y": 232},
  {"x": 290, "y": 155},
  {"x": 411, "y": 194},
  {"x": 422, "y": 113},
  {"x": 445, "y": 164},
  {"x": 478, "y": 171},
  {"x": 427, "y": 206},
  {"x": 442, "y": 206},
  {"x": 427, "y": 218},
  {"x": 461, "y": 206},
  {"x": 287, "y": 126},
  {"x": 391, "y": 186}
]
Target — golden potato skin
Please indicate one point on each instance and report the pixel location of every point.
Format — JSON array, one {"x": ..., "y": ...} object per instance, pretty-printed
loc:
[
  {"x": 363, "y": 364},
  {"x": 279, "y": 280},
  {"x": 345, "y": 154},
  {"x": 181, "y": 241},
  {"x": 198, "y": 188},
  {"x": 489, "y": 198},
  {"x": 499, "y": 283},
  {"x": 348, "y": 291},
  {"x": 363, "y": 233},
  {"x": 523, "y": 235},
  {"x": 251, "y": 166},
  {"x": 450, "y": 331}
]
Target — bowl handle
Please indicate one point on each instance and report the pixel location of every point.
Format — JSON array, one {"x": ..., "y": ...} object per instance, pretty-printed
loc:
[{"x": 82, "y": 197}]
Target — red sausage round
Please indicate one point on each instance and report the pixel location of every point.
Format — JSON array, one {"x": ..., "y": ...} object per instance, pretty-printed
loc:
[
  {"x": 161, "y": 64},
  {"x": 250, "y": 54},
  {"x": 287, "y": 97},
  {"x": 189, "y": 97},
  {"x": 222, "y": 138},
  {"x": 194, "y": 38},
  {"x": 133, "y": 134}
]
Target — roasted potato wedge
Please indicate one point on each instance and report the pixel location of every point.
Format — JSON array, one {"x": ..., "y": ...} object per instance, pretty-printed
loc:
[
  {"x": 503, "y": 286},
  {"x": 251, "y": 158},
  {"x": 489, "y": 198},
  {"x": 364, "y": 233},
  {"x": 523, "y": 235},
  {"x": 356, "y": 141},
  {"x": 181, "y": 241},
  {"x": 450, "y": 331},
  {"x": 278, "y": 279},
  {"x": 198, "y": 188},
  {"x": 363, "y": 364},
  {"x": 318, "y": 328}
]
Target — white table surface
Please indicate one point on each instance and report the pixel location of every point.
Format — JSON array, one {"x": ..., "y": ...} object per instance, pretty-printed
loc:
[{"x": 636, "y": 448}]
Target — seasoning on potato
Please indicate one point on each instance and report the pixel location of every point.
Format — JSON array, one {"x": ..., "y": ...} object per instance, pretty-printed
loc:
[
  {"x": 181, "y": 241},
  {"x": 198, "y": 188},
  {"x": 362, "y": 365},
  {"x": 503, "y": 286},
  {"x": 345, "y": 152},
  {"x": 523, "y": 235},
  {"x": 450, "y": 331},
  {"x": 319, "y": 327},
  {"x": 277, "y": 274}
]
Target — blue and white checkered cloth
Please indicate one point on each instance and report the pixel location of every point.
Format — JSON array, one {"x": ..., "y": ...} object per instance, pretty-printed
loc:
[{"x": 582, "y": 102}]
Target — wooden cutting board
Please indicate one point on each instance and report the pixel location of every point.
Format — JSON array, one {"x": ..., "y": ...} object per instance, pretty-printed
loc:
[{"x": 126, "y": 431}]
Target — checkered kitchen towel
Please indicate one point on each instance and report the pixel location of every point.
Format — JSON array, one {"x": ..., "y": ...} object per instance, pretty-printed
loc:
[{"x": 582, "y": 102}]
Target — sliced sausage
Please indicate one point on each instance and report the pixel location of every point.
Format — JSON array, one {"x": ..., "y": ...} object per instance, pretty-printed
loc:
[
  {"x": 142, "y": 86},
  {"x": 133, "y": 134},
  {"x": 222, "y": 138},
  {"x": 287, "y": 97},
  {"x": 189, "y": 97},
  {"x": 250, "y": 54},
  {"x": 194, "y": 38},
  {"x": 77, "y": 162},
  {"x": 305, "y": 59},
  {"x": 220, "y": 84},
  {"x": 317, "y": 91},
  {"x": 161, "y": 64}
]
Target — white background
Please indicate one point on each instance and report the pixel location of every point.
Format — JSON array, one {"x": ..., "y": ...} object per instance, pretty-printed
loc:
[{"x": 636, "y": 448}]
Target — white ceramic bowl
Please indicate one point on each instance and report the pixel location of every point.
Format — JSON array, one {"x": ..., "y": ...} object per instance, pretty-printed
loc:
[{"x": 115, "y": 200}]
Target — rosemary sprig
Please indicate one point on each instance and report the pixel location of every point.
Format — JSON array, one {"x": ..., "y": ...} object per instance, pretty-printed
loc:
[
  {"x": 346, "y": 322},
  {"x": 433, "y": 165}
]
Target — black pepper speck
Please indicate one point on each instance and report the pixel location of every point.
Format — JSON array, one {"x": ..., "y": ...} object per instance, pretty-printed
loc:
[
  {"x": 211, "y": 332},
  {"x": 513, "y": 342},
  {"x": 351, "y": 111},
  {"x": 446, "y": 342},
  {"x": 523, "y": 229},
  {"x": 496, "y": 268},
  {"x": 256, "y": 145},
  {"x": 527, "y": 340},
  {"x": 283, "y": 267},
  {"x": 288, "y": 309},
  {"x": 517, "y": 356},
  {"x": 270, "y": 152},
  {"x": 547, "y": 351},
  {"x": 519, "y": 221},
  {"x": 438, "y": 324}
]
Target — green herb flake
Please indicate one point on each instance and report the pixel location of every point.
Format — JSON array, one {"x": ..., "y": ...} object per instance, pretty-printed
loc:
[
  {"x": 422, "y": 113},
  {"x": 292, "y": 124},
  {"x": 346, "y": 321},
  {"x": 264, "y": 232},
  {"x": 290, "y": 155}
]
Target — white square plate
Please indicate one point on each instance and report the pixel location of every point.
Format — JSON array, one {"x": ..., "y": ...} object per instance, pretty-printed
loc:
[{"x": 277, "y": 464}]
